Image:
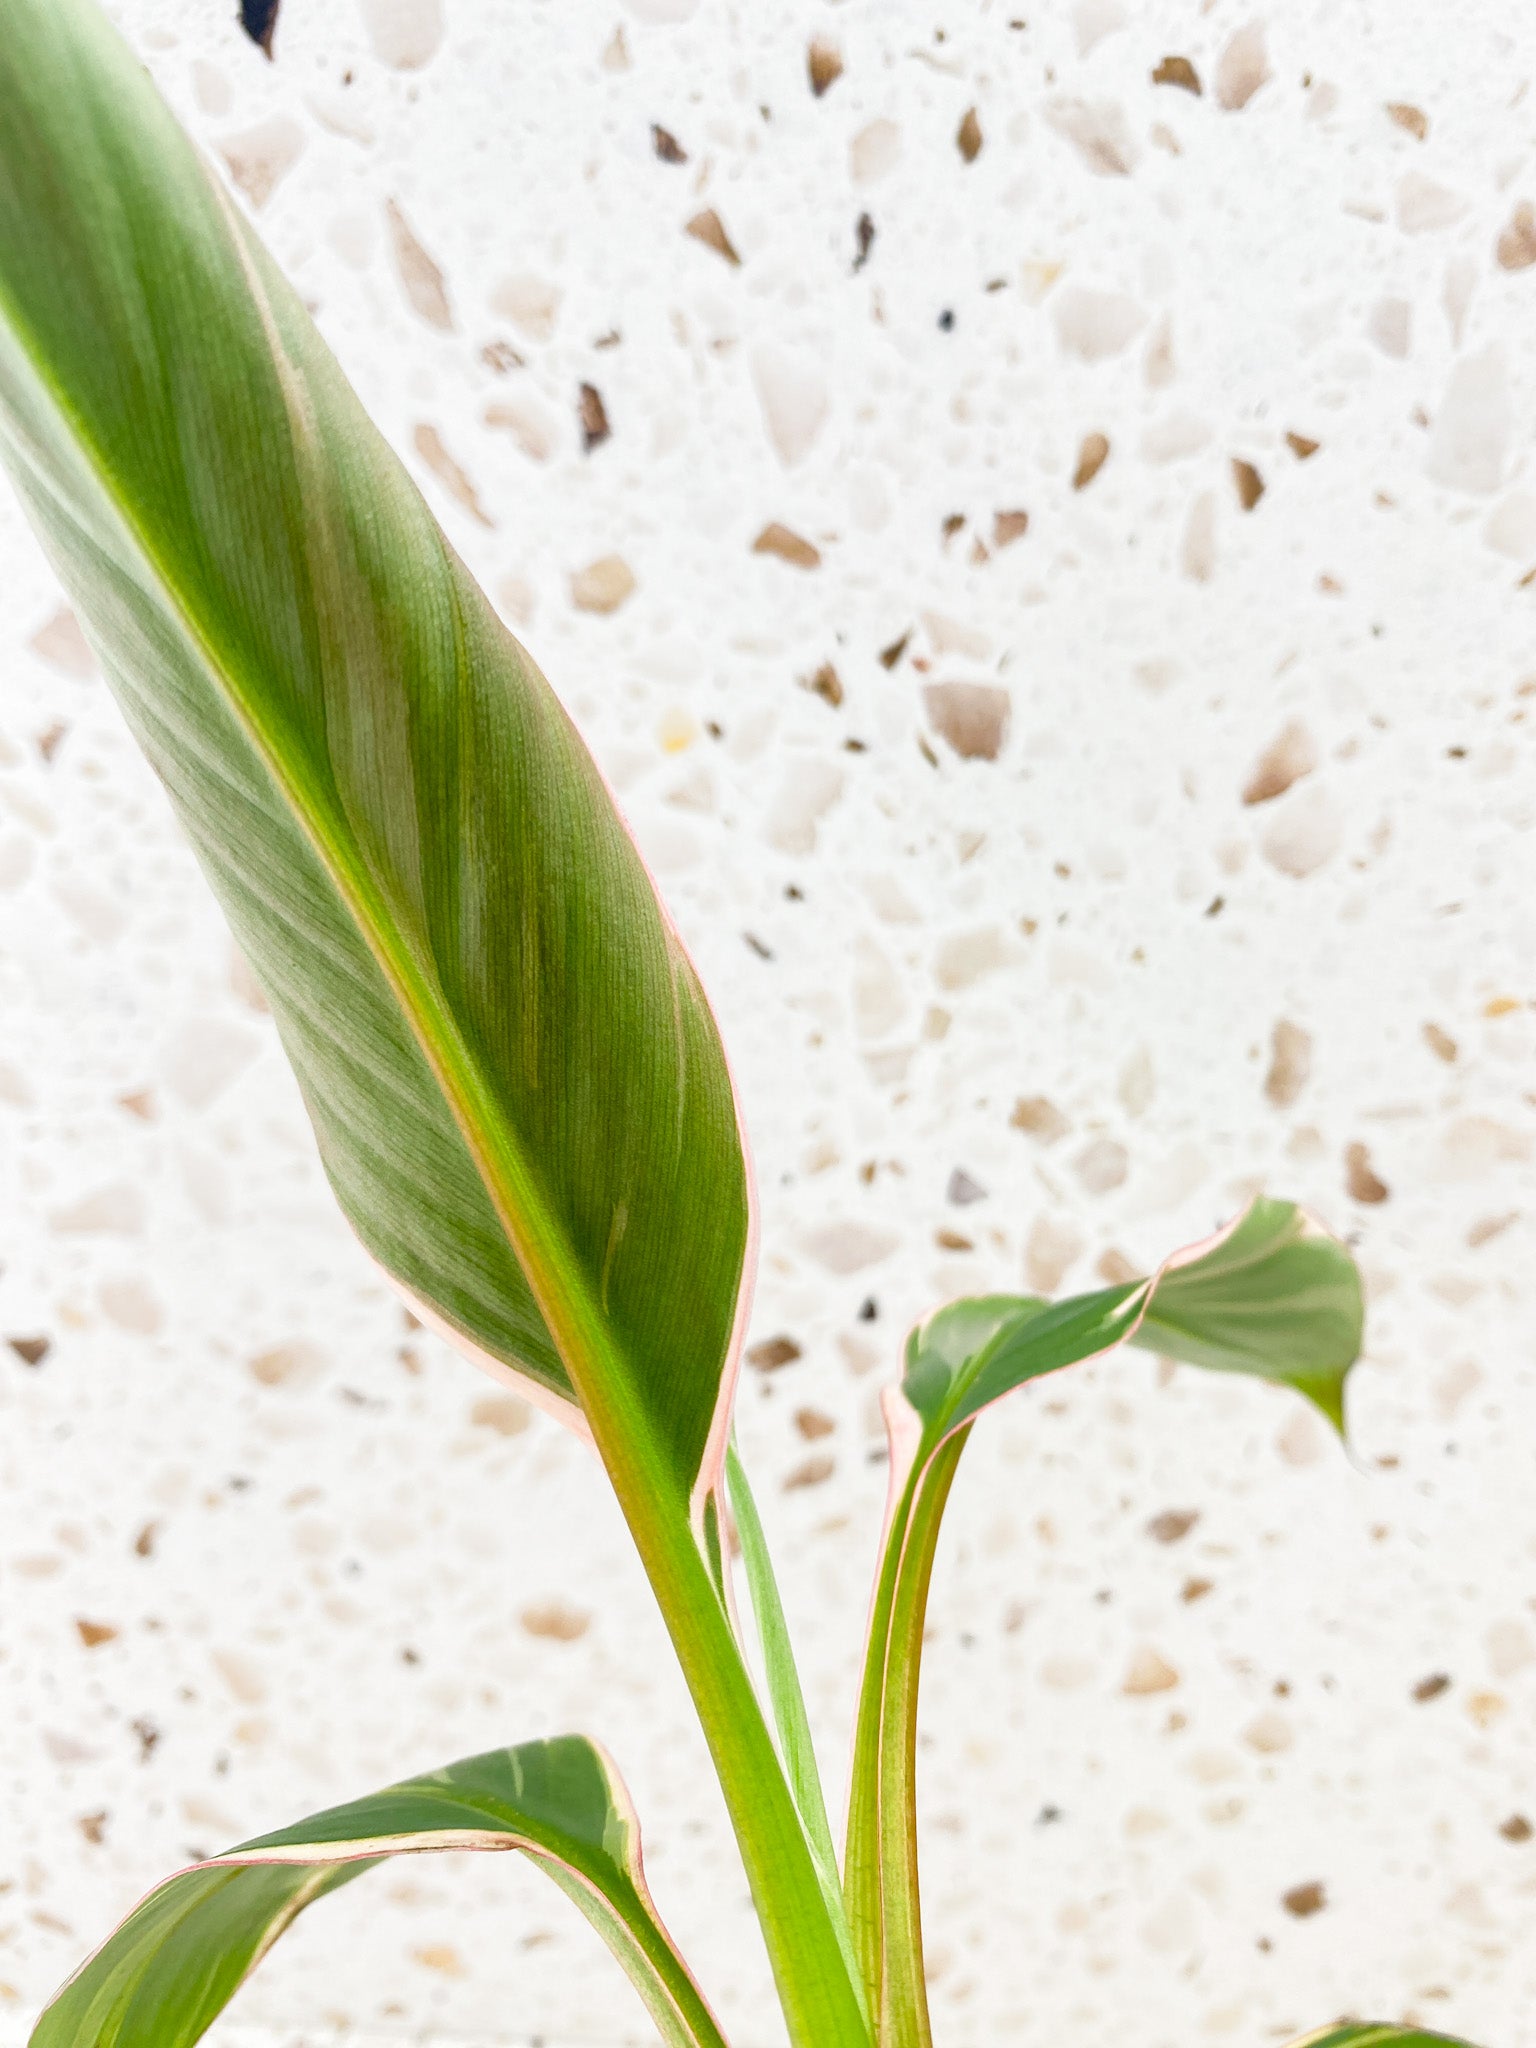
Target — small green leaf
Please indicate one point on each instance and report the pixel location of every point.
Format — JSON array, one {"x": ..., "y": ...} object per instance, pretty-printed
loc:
[
  {"x": 177, "y": 1960},
  {"x": 1272, "y": 1296}
]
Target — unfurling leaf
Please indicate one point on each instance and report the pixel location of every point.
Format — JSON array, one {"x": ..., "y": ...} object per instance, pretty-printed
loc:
[
  {"x": 177, "y": 1960},
  {"x": 1272, "y": 1296}
]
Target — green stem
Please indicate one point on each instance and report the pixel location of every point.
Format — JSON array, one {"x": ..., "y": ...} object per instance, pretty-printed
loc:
[
  {"x": 881, "y": 1869},
  {"x": 816, "y": 1989}
]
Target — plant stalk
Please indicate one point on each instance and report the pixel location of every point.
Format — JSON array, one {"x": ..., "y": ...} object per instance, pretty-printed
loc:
[{"x": 881, "y": 1882}]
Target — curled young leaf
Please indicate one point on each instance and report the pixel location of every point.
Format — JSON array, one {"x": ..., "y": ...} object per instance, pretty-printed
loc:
[
  {"x": 168, "y": 1972},
  {"x": 1272, "y": 1296}
]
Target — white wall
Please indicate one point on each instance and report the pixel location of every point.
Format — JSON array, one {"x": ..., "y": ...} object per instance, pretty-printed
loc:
[{"x": 1095, "y": 918}]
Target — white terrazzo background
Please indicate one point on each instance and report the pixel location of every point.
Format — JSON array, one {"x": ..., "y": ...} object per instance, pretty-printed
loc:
[{"x": 312, "y": 1550}]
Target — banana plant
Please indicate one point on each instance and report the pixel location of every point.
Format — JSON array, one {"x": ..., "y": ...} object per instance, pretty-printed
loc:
[{"x": 517, "y": 1086}]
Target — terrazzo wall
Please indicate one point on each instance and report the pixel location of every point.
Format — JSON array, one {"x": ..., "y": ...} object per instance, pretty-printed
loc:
[{"x": 1035, "y": 513}]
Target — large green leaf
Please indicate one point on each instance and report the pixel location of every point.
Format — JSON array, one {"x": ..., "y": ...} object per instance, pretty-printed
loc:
[
  {"x": 171, "y": 1968},
  {"x": 1272, "y": 1296},
  {"x": 516, "y": 1083}
]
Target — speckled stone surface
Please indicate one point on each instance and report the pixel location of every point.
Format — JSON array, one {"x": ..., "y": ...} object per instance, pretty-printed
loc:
[{"x": 1040, "y": 534}]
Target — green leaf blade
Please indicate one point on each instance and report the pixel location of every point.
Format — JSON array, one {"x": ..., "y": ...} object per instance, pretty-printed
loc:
[
  {"x": 177, "y": 1960},
  {"x": 409, "y": 836},
  {"x": 786, "y": 1695}
]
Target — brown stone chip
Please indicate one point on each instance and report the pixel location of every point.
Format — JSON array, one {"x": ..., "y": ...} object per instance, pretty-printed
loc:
[
  {"x": 864, "y": 232},
  {"x": 603, "y": 585},
  {"x": 971, "y": 717},
  {"x": 1288, "y": 757},
  {"x": 1516, "y": 246},
  {"x": 1361, "y": 1183},
  {"x": 1195, "y": 1589},
  {"x": 953, "y": 1241},
  {"x": 92, "y": 1633},
  {"x": 812, "y": 1424},
  {"x": 31, "y": 1350},
  {"x": 1413, "y": 119},
  {"x": 825, "y": 684},
  {"x": 813, "y": 1472},
  {"x": 1250, "y": 485},
  {"x": 1290, "y": 1062},
  {"x": 1091, "y": 458},
  {"x": 556, "y": 1621},
  {"x": 592, "y": 415},
  {"x": 1303, "y": 1900},
  {"x": 429, "y": 446},
  {"x": 1516, "y": 1829},
  {"x": 1440, "y": 1043},
  {"x": 666, "y": 145},
  {"x": 772, "y": 1353},
  {"x": 889, "y": 656},
  {"x": 789, "y": 547},
  {"x": 1149, "y": 1672},
  {"x": 1172, "y": 1525},
  {"x": 1301, "y": 446},
  {"x": 1177, "y": 71},
  {"x": 823, "y": 65},
  {"x": 94, "y": 1825},
  {"x": 420, "y": 276},
  {"x": 502, "y": 1414},
  {"x": 1008, "y": 527},
  {"x": 968, "y": 137},
  {"x": 708, "y": 228},
  {"x": 1040, "y": 1117},
  {"x": 1431, "y": 1688}
]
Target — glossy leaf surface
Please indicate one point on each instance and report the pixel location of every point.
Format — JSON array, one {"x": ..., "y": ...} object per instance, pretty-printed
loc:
[{"x": 177, "y": 1960}]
